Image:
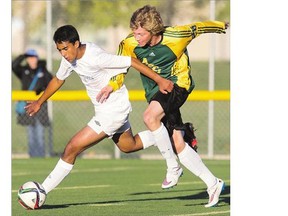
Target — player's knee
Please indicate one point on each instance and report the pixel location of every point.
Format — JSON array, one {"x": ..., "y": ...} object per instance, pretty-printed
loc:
[
  {"x": 128, "y": 145},
  {"x": 71, "y": 150},
  {"x": 149, "y": 119}
]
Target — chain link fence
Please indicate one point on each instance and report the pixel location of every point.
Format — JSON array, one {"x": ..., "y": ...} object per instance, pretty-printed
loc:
[{"x": 71, "y": 116}]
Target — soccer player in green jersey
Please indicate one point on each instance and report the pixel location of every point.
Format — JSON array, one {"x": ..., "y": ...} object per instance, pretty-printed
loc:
[{"x": 164, "y": 49}]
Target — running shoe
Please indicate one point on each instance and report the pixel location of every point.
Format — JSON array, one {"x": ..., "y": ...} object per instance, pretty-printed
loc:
[
  {"x": 172, "y": 178},
  {"x": 214, "y": 193}
]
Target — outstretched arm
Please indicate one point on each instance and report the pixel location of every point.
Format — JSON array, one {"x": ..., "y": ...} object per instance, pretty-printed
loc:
[{"x": 34, "y": 106}]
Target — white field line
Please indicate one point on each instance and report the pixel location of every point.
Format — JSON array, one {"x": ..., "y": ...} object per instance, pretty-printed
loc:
[
  {"x": 101, "y": 186},
  {"x": 82, "y": 187},
  {"x": 81, "y": 170},
  {"x": 207, "y": 213},
  {"x": 76, "y": 187},
  {"x": 191, "y": 182}
]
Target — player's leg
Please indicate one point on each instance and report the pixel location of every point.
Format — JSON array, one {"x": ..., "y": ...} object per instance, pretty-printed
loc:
[
  {"x": 82, "y": 140},
  {"x": 193, "y": 162},
  {"x": 152, "y": 118},
  {"x": 128, "y": 143},
  {"x": 187, "y": 155}
]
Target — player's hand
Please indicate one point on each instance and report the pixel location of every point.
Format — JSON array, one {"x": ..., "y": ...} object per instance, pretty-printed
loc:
[
  {"x": 165, "y": 85},
  {"x": 104, "y": 94},
  {"x": 32, "y": 107}
]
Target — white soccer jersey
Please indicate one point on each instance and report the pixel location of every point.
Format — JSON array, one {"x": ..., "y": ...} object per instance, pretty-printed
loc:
[{"x": 95, "y": 69}]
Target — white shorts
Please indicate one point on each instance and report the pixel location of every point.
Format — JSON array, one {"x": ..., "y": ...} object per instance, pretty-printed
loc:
[{"x": 109, "y": 124}]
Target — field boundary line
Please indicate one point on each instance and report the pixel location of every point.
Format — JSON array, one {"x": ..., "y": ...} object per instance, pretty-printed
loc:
[
  {"x": 101, "y": 186},
  {"x": 207, "y": 213},
  {"x": 192, "y": 182}
]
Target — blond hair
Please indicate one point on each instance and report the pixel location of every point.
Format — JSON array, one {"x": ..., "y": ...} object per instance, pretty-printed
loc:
[{"x": 148, "y": 18}]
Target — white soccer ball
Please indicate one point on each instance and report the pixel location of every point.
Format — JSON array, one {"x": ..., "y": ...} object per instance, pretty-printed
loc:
[{"x": 31, "y": 195}]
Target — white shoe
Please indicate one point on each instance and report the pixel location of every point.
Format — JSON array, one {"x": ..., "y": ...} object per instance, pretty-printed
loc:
[
  {"x": 214, "y": 193},
  {"x": 172, "y": 178}
]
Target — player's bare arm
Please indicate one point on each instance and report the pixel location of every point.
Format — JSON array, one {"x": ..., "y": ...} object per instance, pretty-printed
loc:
[
  {"x": 34, "y": 106},
  {"x": 164, "y": 85}
]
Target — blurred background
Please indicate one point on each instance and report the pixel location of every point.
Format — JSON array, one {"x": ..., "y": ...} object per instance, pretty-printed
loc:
[{"x": 107, "y": 23}]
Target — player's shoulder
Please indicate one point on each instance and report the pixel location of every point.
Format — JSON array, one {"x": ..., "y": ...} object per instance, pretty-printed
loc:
[
  {"x": 90, "y": 45},
  {"x": 93, "y": 49},
  {"x": 130, "y": 41}
]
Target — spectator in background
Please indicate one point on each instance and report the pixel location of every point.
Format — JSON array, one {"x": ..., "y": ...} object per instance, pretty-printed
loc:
[{"x": 26, "y": 67}]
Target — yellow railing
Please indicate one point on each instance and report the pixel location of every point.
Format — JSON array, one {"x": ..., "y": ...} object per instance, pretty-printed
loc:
[{"x": 135, "y": 95}]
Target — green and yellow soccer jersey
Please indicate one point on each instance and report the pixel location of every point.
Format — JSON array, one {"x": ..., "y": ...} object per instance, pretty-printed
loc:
[{"x": 169, "y": 58}]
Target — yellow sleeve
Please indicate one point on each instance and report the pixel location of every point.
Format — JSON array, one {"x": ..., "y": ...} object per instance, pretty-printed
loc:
[
  {"x": 117, "y": 81},
  {"x": 207, "y": 27}
]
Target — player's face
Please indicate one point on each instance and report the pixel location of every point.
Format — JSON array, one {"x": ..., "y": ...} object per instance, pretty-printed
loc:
[
  {"x": 142, "y": 36},
  {"x": 68, "y": 50}
]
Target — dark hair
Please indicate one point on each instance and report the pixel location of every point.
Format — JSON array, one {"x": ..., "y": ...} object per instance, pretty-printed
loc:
[{"x": 66, "y": 33}]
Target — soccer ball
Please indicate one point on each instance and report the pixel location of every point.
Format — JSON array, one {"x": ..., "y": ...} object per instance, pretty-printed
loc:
[{"x": 31, "y": 195}]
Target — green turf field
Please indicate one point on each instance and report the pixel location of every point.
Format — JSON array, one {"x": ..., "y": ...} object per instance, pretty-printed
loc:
[{"x": 120, "y": 187}]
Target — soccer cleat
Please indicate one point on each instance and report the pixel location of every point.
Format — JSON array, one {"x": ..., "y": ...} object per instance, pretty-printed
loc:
[
  {"x": 214, "y": 193},
  {"x": 189, "y": 136},
  {"x": 172, "y": 178}
]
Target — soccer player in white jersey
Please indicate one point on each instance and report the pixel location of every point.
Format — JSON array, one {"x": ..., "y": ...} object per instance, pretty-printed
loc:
[{"x": 95, "y": 68}]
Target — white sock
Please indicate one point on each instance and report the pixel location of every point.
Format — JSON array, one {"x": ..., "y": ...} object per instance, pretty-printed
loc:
[
  {"x": 61, "y": 170},
  {"x": 147, "y": 139},
  {"x": 164, "y": 145},
  {"x": 192, "y": 161}
]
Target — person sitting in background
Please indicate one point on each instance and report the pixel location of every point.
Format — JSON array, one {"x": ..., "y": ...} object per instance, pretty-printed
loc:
[{"x": 26, "y": 66}]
